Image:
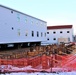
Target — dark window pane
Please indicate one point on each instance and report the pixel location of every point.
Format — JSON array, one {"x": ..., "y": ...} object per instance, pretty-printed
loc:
[
  {"x": 12, "y": 11},
  {"x": 41, "y": 34},
  {"x": 68, "y": 39},
  {"x": 47, "y": 32},
  {"x": 37, "y": 34},
  {"x": 54, "y": 39},
  {"x": 32, "y": 33},
  {"x": 54, "y": 32},
  {"x": 47, "y": 38},
  {"x": 12, "y": 28},
  {"x": 61, "y": 32},
  {"x": 68, "y": 31}
]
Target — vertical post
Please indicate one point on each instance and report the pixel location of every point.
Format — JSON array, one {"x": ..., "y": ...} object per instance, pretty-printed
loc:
[
  {"x": 51, "y": 62},
  {"x": 0, "y": 61},
  {"x": 44, "y": 61}
]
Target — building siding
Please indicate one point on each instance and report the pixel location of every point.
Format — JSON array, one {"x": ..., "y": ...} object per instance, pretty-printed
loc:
[
  {"x": 17, "y": 27},
  {"x": 54, "y": 34}
]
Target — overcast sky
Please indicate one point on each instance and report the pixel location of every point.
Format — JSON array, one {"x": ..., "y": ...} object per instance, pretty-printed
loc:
[{"x": 55, "y": 12}]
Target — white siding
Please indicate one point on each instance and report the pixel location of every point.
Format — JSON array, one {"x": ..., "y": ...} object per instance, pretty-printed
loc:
[
  {"x": 14, "y": 27},
  {"x": 57, "y": 35}
]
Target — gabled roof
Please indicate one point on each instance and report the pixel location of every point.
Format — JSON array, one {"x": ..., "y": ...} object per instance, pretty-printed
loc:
[{"x": 59, "y": 27}]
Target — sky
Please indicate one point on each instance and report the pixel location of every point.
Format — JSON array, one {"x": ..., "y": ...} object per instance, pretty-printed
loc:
[{"x": 54, "y": 12}]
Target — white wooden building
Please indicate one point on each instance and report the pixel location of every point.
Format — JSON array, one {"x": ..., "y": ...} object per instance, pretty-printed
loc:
[
  {"x": 19, "y": 28},
  {"x": 59, "y": 34}
]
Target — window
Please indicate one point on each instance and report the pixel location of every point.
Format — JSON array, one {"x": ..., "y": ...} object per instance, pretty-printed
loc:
[
  {"x": 25, "y": 20},
  {"x": 32, "y": 22},
  {"x": 37, "y": 23},
  {"x": 18, "y": 16},
  {"x": 12, "y": 28},
  {"x": 54, "y": 32},
  {"x": 61, "y": 32},
  {"x": 19, "y": 32},
  {"x": 68, "y": 39},
  {"x": 11, "y": 11},
  {"x": 68, "y": 31},
  {"x": 37, "y": 34},
  {"x": 47, "y": 32},
  {"x": 41, "y": 23},
  {"x": 47, "y": 38},
  {"x": 41, "y": 34},
  {"x": 32, "y": 33},
  {"x": 26, "y": 33},
  {"x": 54, "y": 38}
]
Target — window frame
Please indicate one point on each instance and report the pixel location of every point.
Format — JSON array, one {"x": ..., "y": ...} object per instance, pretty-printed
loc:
[
  {"x": 47, "y": 32},
  {"x": 54, "y": 39},
  {"x": 68, "y": 31},
  {"x": 54, "y": 32},
  {"x": 32, "y": 33}
]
